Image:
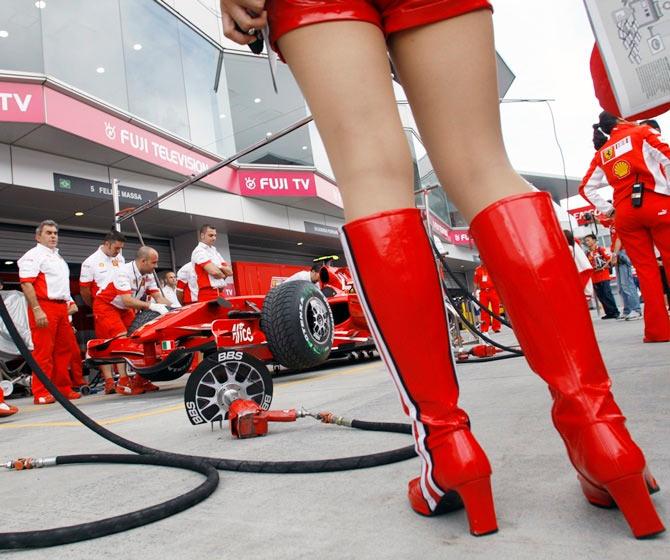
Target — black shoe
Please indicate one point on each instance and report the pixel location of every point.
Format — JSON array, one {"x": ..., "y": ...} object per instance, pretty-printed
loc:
[{"x": 610, "y": 317}]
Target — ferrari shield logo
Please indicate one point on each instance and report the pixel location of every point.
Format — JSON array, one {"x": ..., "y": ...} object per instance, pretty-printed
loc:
[
  {"x": 608, "y": 154},
  {"x": 621, "y": 169}
]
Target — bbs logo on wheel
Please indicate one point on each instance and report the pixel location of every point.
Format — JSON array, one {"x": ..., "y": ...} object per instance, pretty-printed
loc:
[{"x": 220, "y": 375}]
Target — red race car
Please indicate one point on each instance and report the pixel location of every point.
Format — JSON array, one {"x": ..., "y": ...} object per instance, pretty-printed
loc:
[{"x": 296, "y": 325}]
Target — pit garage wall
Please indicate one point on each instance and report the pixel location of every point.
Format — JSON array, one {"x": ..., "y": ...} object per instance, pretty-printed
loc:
[{"x": 34, "y": 169}]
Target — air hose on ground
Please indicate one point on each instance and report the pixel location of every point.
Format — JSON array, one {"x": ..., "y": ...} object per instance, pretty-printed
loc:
[{"x": 149, "y": 456}]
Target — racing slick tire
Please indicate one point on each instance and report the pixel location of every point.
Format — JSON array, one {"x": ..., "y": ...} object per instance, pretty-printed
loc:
[
  {"x": 216, "y": 374},
  {"x": 298, "y": 324},
  {"x": 141, "y": 319}
]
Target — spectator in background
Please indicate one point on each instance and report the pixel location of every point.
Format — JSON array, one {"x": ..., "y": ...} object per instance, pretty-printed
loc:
[
  {"x": 170, "y": 288},
  {"x": 311, "y": 275},
  {"x": 600, "y": 260},
  {"x": 582, "y": 262},
  {"x": 210, "y": 268},
  {"x": 624, "y": 274},
  {"x": 632, "y": 311},
  {"x": 45, "y": 282}
]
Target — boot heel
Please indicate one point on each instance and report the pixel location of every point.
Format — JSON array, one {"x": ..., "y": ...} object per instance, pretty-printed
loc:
[
  {"x": 478, "y": 501},
  {"x": 595, "y": 496},
  {"x": 632, "y": 496}
]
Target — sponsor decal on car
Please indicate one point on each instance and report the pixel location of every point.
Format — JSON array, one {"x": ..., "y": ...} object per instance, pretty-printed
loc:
[{"x": 242, "y": 333}]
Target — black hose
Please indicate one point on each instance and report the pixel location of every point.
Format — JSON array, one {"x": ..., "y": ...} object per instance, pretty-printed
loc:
[
  {"x": 465, "y": 289},
  {"x": 148, "y": 455},
  {"x": 125, "y": 521}
]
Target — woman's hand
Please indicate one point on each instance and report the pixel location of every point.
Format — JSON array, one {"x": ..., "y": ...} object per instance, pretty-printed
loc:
[{"x": 249, "y": 16}]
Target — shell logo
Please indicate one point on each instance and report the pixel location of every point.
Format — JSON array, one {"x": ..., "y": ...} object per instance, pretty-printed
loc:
[{"x": 621, "y": 169}]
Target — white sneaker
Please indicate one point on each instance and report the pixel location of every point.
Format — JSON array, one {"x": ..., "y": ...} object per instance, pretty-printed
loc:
[
  {"x": 633, "y": 316},
  {"x": 622, "y": 317}
]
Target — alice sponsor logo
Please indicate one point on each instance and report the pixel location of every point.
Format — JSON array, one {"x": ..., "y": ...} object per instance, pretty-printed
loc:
[
  {"x": 241, "y": 333},
  {"x": 10, "y": 100}
]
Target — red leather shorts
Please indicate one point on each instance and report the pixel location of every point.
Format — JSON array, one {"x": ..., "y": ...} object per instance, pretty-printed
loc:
[{"x": 389, "y": 15}]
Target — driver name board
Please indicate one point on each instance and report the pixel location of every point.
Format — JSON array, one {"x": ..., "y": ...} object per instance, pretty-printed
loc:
[{"x": 100, "y": 189}]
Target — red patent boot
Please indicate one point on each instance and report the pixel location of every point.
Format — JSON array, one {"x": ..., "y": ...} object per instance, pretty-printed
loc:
[
  {"x": 395, "y": 275},
  {"x": 528, "y": 258}
]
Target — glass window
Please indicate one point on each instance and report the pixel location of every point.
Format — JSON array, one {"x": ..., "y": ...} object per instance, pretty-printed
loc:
[
  {"x": 154, "y": 65},
  {"x": 82, "y": 46},
  {"x": 439, "y": 202},
  {"x": 258, "y": 111},
  {"x": 20, "y": 36},
  {"x": 209, "y": 116}
]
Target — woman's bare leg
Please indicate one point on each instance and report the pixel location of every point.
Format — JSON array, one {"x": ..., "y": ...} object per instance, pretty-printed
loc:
[
  {"x": 342, "y": 69},
  {"x": 347, "y": 83},
  {"x": 448, "y": 71},
  {"x": 453, "y": 93}
]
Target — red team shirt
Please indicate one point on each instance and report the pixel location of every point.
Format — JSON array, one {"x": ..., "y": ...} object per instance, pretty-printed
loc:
[
  {"x": 482, "y": 278},
  {"x": 629, "y": 147}
]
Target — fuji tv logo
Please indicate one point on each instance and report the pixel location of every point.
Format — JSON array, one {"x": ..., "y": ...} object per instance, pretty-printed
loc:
[{"x": 8, "y": 100}]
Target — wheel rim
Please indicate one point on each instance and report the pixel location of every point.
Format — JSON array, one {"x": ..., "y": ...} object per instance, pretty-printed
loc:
[
  {"x": 317, "y": 320},
  {"x": 230, "y": 375}
]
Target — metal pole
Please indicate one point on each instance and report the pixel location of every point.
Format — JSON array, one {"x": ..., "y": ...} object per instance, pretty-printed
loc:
[
  {"x": 115, "y": 201},
  {"x": 139, "y": 235},
  {"x": 195, "y": 178}
]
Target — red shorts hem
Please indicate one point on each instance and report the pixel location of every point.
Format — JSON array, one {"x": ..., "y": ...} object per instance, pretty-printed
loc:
[{"x": 285, "y": 16}]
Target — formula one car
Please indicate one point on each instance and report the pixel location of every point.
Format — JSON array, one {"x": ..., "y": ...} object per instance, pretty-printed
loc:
[{"x": 296, "y": 325}]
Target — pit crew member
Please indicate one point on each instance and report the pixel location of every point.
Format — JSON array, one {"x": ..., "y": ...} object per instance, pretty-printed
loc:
[
  {"x": 633, "y": 162},
  {"x": 118, "y": 299},
  {"x": 45, "y": 281},
  {"x": 170, "y": 288},
  {"x": 489, "y": 298},
  {"x": 94, "y": 272},
  {"x": 210, "y": 268},
  {"x": 187, "y": 284},
  {"x": 311, "y": 275}
]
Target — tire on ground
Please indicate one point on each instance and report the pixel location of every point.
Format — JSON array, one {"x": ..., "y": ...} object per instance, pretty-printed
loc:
[{"x": 298, "y": 324}]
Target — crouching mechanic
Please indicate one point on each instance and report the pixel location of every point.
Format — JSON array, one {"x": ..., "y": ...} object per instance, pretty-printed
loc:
[{"x": 117, "y": 300}]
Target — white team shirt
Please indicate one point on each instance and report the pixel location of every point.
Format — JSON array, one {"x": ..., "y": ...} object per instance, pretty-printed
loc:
[
  {"x": 126, "y": 279},
  {"x": 170, "y": 293},
  {"x": 202, "y": 255},
  {"x": 47, "y": 271},
  {"x": 96, "y": 268}
]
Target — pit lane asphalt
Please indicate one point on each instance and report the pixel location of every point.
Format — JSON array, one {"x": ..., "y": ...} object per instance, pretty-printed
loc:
[{"x": 347, "y": 515}]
